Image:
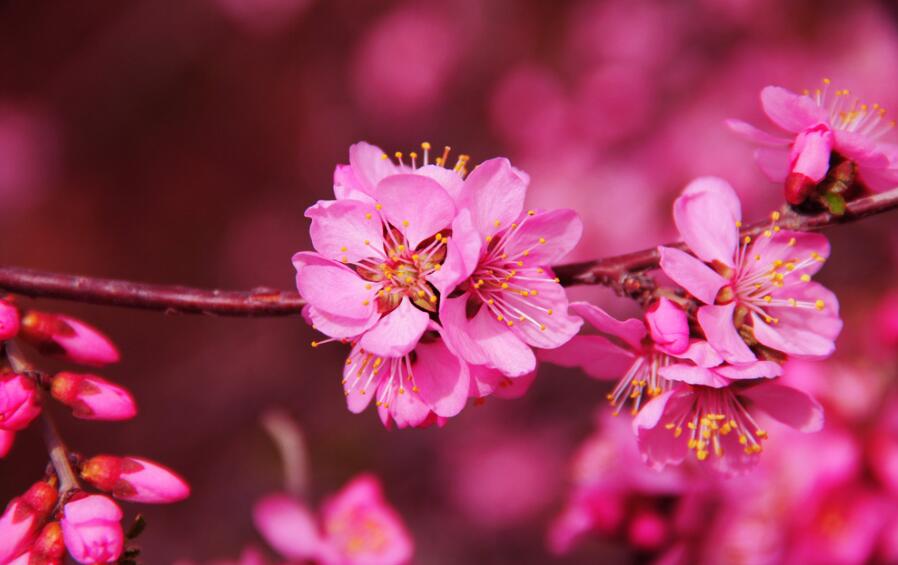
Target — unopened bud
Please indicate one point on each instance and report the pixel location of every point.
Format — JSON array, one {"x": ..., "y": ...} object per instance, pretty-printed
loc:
[
  {"x": 19, "y": 403},
  {"x": 798, "y": 188},
  {"x": 92, "y": 529},
  {"x": 49, "y": 547},
  {"x": 134, "y": 479},
  {"x": 22, "y": 518},
  {"x": 64, "y": 336},
  {"x": 9, "y": 320},
  {"x": 92, "y": 398},
  {"x": 668, "y": 325}
]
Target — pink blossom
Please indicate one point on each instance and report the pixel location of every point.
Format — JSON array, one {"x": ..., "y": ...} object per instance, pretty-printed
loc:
[
  {"x": 92, "y": 530},
  {"x": 93, "y": 398},
  {"x": 6, "y": 440},
  {"x": 760, "y": 290},
  {"x": 9, "y": 320},
  {"x": 504, "y": 299},
  {"x": 19, "y": 402},
  {"x": 827, "y": 129},
  {"x": 357, "y": 527},
  {"x": 23, "y": 518},
  {"x": 134, "y": 479},
  {"x": 720, "y": 419},
  {"x": 64, "y": 336}
]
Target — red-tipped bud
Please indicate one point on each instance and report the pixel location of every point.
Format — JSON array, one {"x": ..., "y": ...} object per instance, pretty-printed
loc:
[
  {"x": 63, "y": 336},
  {"x": 92, "y": 398},
  {"x": 92, "y": 529},
  {"x": 19, "y": 403},
  {"x": 134, "y": 479},
  {"x": 6, "y": 440},
  {"x": 798, "y": 188},
  {"x": 9, "y": 320},
  {"x": 23, "y": 517},
  {"x": 48, "y": 548}
]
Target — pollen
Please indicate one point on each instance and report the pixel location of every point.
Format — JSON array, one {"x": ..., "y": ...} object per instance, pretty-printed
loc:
[{"x": 819, "y": 305}]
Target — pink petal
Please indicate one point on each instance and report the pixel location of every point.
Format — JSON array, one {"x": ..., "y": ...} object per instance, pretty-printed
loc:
[
  {"x": 346, "y": 230},
  {"x": 336, "y": 326},
  {"x": 694, "y": 375},
  {"x": 6, "y": 441},
  {"x": 493, "y": 192},
  {"x": 706, "y": 215},
  {"x": 717, "y": 323},
  {"x": 405, "y": 409},
  {"x": 657, "y": 444},
  {"x": 789, "y": 110},
  {"x": 748, "y": 371},
  {"x": 701, "y": 353},
  {"x": 348, "y": 187},
  {"x": 788, "y": 405},
  {"x": 810, "y": 153},
  {"x": 668, "y": 326},
  {"x": 804, "y": 332},
  {"x": 774, "y": 163},
  {"x": 555, "y": 330},
  {"x": 398, "y": 332},
  {"x": 359, "y": 392},
  {"x": 755, "y": 135},
  {"x": 597, "y": 356},
  {"x": 486, "y": 382},
  {"x": 455, "y": 323},
  {"x": 450, "y": 180},
  {"x": 462, "y": 254},
  {"x": 787, "y": 246},
  {"x": 863, "y": 150},
  {"x": 333, "y": 288},
  {"x": 700, "y": 280},
  {"x": 501, "y": 347},
  {"x": 416, "y": 205},
  {"x": 369, "y": 165},
  {"x": 442, "y": 379},
  {"x": 632, "y": 331},
  {"x": 545, "y": 237},
  {"x": 287, "y": 526},
  {"x": 801, "y": 343}
]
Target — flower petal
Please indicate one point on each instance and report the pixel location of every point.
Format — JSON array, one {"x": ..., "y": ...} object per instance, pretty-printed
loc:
[
  {"x": 544, "y": 331},
  {"x": 337, "y": 326},
  {"x": 700, "y": 280},
  {"x": 774, "y": 163},
  {"x": 345, "y": 230},
  {"x": 333, "y": 288},
  {"x": 462, "y": 254},
  {"x": 755, "y": 135},
  {"x": 416, "y": 205},
  {"x": 693, "y": 375},
  {"x": 597, "y": 356},
  {"x": 348, "y": 187},
  {"x": 398, "y": 332},
  {"x": 494, "y": 193},
  {"x": 706, "y": 213},
  {"x": 370, "y": 165},
  {"x": 811, "y": 152},
  {"x": 631, "y": 331},
  {"x": 287, "y": 526},
  {"x": 449, "y": 179},
  {"x": 790, "y": 111},
  {"x": 749, "y": 371},
  {"x": 545, "y": 238},
  {"x": 442, "y": 379},
  {"x": 717, "y": 323},
  {"x": 486, "y": 382},
  {"x": 788, "y": 405},
  {"x": 658, "y": 445},
  {"x": 502, "y": 349}
]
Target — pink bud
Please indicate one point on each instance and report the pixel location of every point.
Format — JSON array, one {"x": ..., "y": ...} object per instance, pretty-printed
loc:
[
  {"x": 92, "y": 529},
  {"x": 47, "y": 549},
  {"x": 6, "y": 440},
  {"x": 9, "y": 320},
  {"x": 647, "y": 531},
  {"x": 668, "y": 325},
  {"x": 18, "y": 402},
  {"x": 92, "y": 398},
  {"x": 134, "y": 479},
  {"x": 63, "y": 336},
  {"x": 23, "y": 517}
]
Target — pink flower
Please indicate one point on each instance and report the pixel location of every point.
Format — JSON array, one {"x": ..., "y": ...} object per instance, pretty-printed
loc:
[
  {"x": 6, "y": 440},
  {"x": 92, "y": 530},
  {"x": 635, "y": 353},
  {"x": 503, "y": 298},
  {"x": 23, "y": 518},
  {"x": 760, "y": 290},
  {"x": 134, "y": 479},
  {"x": 827, "y": 130},
  {"x": 93, "y": 398},
  {"x": 19, "y": 403},
  {"x": 64, "y": 336},
  {"x": 721, "y": 419},
  {"x": 357, "y": 527},
  {"x": 9, "y": 320}
]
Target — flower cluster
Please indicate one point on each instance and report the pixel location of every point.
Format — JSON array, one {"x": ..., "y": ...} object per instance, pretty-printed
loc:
[
  {"x": 438, "y": 279},
  {"x": 56, "y": 514}
]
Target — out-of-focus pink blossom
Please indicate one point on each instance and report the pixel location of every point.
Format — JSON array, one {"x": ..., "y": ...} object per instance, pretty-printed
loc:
[
  {"x": 504, "y": 298},
  {"x": 886, "y": 320},
  {"x": 823, "y": 126},
  {"x": 92, "y": 529},
  {"x": 263, "y": 16},
  {"x": 134, "y": 479},
  {"x": 9, "y": 320},
  {"x": 28, "y": 152},
  {"x": 762, "y": 286},
  {"x": 93, "y": 398},
  {"x": 357, "y": 527},
  {"x": 23, "y": 518},
  {"x": 64, "y": 336},
  {"x": 19, "y": 402},
  {"x": 529, "y": 109},
  {"x": 7, "y": 438},
  {"x": 883, "y": 447}
]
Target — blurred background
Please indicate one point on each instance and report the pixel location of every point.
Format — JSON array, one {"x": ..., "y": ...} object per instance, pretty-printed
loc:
[{"x": 179, "y": 141}]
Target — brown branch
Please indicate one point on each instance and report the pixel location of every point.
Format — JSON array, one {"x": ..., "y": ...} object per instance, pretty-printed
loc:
[{"x": 610, "y": 271}]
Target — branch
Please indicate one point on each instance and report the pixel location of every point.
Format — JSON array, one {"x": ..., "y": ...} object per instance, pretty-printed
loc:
[{"x": 610, "y": 271}]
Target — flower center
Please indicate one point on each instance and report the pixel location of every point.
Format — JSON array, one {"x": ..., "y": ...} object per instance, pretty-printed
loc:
[
  {"x": 364, "y": 370},
  {"x": 641, "y": 380}
]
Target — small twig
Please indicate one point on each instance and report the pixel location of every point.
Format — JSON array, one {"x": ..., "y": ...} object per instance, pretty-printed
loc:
[{"x": 614, "y": 272}]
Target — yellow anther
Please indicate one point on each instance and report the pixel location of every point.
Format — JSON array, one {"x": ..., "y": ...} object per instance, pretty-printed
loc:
[
  {"x": 378, "y": 207},
  {"x": 437, "y": 267},
  {"x": 500, "y": 317},
  {"x": 438, "y": 236},
  {"x": 497, "y": 223},
  {"x": 768, "y": 233},
  {"x": 768, "y": 298},
  {"x": 778, "y": 263},
  {"x": 542, "y": 240},
  {"x": 533, "y": 293},
  {"x": 368, "y": 286},
  {"x": 549, "y": 311},
  {"x": 542, "y": 327},
  {"x": 409, "y": 280},
  {"x": 489, "y": 238},
  {"x": 421, "y": 293},
  {"x": 344, "y": 259},
  {"x": 531, "y": 212},
  {"x": 792, "y": 302},
  {"x": 401, "y": 248},
  {"x": 525, "y": 253},
  {"x": 738, "y": 224},
  {"x": 826, "y": 80},
  {"x": 368, "y": 215},
  {"x": 775, "y": 216},
  {"x": 425, "y": 146},
  {"x": 433, "y": 299},
  {"x": 415, "y": 257},
  {"x": 746, "y": 239},
  {"x": 504, "y": 286},
  {"x": 761, "y": 434},
  {"x": 398, "y": 154},
  {"x": 792, "y": 241},
  {"x": 315, "y": 344},
  {"x": 490, "y": 301},
  {"x": 510, "y": 323},
  {"x": 384, "y": 156},
  {"x": 405, "y": 223},
  {"x": 805, "y": 278},
  {"x": 366, "y": 302},
  {"x": 819, "y": 305}
]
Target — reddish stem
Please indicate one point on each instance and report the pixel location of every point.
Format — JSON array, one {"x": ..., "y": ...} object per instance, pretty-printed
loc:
[{"x": 614, "y": 272}]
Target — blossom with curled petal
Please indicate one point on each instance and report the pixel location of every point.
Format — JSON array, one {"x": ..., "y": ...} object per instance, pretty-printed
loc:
[
  {"x": 756, "y": 293},
  {"x": 500, "y": 298},
  {"x": 825, "y": 129}
]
